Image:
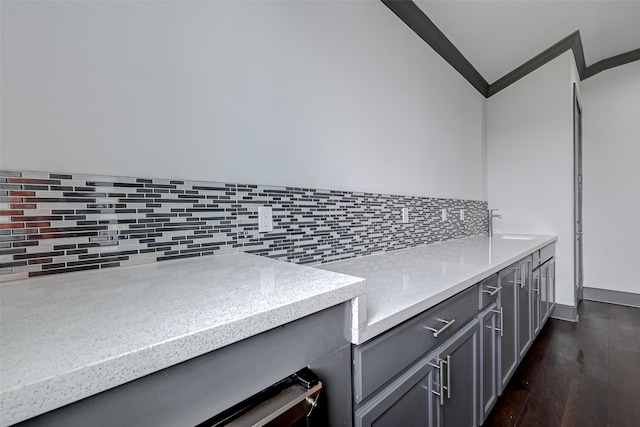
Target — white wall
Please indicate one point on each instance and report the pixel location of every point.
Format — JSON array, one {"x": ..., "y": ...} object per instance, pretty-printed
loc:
[
  {"x": 339, "y": 95},
  {"x": 530, "y": 161},
  {"x": 611, "y": 166}
]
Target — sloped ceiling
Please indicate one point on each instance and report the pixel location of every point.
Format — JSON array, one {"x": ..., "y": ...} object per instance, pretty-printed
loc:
[{"x": 498, "y": 36}]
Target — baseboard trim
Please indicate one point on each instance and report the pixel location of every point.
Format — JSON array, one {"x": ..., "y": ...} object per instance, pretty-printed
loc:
[
  {"x": 565, "y": 312},
  {"x": 612, "y": 297}
]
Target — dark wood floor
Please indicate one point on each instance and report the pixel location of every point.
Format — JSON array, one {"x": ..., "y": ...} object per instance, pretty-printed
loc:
[{"x": 578, "y": 374}]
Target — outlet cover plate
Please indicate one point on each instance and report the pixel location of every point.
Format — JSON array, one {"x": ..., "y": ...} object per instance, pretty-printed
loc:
[
  {"x": 265, "y": 219},
  {"x": 405, "y": 215}
]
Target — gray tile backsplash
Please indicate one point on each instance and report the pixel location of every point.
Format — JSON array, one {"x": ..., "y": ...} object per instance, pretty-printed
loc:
[{"x": 55, "y": 223}]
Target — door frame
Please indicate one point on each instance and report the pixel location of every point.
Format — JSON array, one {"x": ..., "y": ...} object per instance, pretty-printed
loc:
[{"x": 577, "y": 196}]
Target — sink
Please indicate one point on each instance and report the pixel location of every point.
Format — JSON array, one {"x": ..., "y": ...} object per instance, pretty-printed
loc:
[{"x": 516, "y": 237}]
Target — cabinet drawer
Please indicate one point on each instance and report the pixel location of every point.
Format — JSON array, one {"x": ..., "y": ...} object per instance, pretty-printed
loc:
[
  {"x": 506, "y": 276},
  {"x": 488, "y": 291},
  {"x": 379, "y": 360},
  {"x": 535, "y": 259},
  {"x": 547, "y": 252}
]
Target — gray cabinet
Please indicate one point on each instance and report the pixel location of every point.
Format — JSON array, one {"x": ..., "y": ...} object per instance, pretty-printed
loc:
[
  {"x": 547, "y": 289},
  {"x": 543, "y": 276},
  {"x": 489, "y": 322},
  {"x": 551, "y": 284},
  {"x": 536, "y": 320},
  {"x": 405, "y": 376},
  {"x": 547, "y": 281},
  {"x": 508, "y": 344},
  {"x": 440, "y": 389},
  {"x": 458, "y": 366},
  {"x": 379, "y": 360},
  {"x": 447, "y": 366},
  {"x": 193, "y": 391},
  {"x": 407, "y": 401},
  {"x": 525, "y": 330}
]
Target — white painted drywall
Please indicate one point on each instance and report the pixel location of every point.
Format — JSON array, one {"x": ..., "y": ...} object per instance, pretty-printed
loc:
[
  {"x": 338, "y": 95},
  {"x": 611, "y": 167},
  {"x": 530, "y": 161}
]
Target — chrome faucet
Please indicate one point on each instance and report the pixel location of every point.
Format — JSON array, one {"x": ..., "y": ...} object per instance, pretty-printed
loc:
[{"x": 491, "y": 216}]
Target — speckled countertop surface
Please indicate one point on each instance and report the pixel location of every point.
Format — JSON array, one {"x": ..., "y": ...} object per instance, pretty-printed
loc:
[
  {"x": 70, "y": 336},
  {"x": 404, "y": 283}
]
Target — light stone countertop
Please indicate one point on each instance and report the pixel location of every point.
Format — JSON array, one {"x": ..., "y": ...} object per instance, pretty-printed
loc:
[
  {"x": 146, "y": 318},
  {"x": 67, "y": 337},
  {"x": 404, "y": 283}
]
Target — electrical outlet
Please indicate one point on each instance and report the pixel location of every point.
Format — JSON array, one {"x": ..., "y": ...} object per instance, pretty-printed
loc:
[
  {"x": 265, "y": 219},
  {"x": 405, "y": 215},
  {"x": 461, "y": 214},
  {"x": 444, "y": 214}
]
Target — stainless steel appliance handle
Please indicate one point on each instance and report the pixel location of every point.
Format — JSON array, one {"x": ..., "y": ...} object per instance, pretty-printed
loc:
[{"x": 294, "y": 401}]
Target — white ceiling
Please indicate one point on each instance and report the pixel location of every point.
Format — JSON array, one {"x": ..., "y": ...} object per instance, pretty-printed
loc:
[{"x": 499, "y": 35}]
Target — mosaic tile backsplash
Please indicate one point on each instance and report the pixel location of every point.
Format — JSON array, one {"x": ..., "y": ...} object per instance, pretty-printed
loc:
[{"x": 57, "y": 223}]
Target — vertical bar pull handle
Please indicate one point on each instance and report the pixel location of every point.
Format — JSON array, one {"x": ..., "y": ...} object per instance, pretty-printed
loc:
[
  {"x": 441, "y": 382},
  {"x": 501, "y": 313},
  {"x": 440, "y": 393},
  {"x": 449, "y": 376}
]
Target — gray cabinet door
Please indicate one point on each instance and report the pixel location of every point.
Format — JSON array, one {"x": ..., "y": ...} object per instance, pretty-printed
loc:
[
  {"x": 544, "y": 293},
  {"x": 525, "y": 336},
  {"x": 508, "y": 345},
  {"x": 551, "y": 284},
  {"x": 407, "y": 401},
  {"x": 535, "y": 302},
  {"x": 459, "y": 406},
  {"x": 489, "y": 322}
]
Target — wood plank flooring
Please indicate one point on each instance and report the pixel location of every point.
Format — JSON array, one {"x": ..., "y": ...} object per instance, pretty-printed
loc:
[{"x": 584, "y": 374}]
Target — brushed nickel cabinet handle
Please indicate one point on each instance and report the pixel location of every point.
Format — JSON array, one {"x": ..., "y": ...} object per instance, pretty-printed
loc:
[
  {"x": 449, "y": 376},
  {"x": 437, "y": 332},
  {"x": 495, "y": 290},
  {"x": 440, "y": 393},
  {"x": 501, "y": 313}
]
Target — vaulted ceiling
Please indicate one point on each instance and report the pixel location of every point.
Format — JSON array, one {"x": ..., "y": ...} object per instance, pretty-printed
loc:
[{"x": 498, "y": 36}]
